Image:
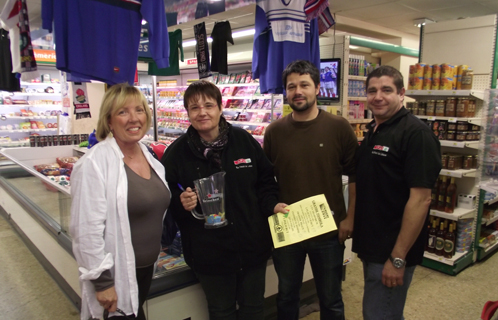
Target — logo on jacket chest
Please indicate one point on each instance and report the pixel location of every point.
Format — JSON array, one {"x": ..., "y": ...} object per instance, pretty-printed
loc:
[
  {"x": 243, "y": 163},
  {"x": 380, "y": 150}
]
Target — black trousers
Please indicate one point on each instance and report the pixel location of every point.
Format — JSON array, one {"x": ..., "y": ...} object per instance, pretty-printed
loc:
[{"x": 144, "y": 279}]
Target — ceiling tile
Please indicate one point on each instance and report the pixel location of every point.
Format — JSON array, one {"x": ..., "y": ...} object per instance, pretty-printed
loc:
[{"x": 381, "y": 11}]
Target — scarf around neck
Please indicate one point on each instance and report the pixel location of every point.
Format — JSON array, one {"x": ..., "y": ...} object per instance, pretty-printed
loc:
[{"x": 211, "y": 150}]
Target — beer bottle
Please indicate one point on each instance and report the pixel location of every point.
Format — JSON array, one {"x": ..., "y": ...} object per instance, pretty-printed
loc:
[
  {"x": 440, "y": 240},
  {"x": 434, "y": 195},
  {"x": 451, "y": 197},
  {"x": 431, "y": 241},
  {"x": 441, "y": 203},
  {"x": 449, "y": 243}
]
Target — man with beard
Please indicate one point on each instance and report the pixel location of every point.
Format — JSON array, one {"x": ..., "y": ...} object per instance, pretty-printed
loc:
[{"x": 311, "y": 149}]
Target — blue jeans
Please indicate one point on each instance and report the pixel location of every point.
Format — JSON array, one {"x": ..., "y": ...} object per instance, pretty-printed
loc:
[
  {"x": 326, "y": 259},
  {"x": 245, "y": 289},
  {"x": 379, "y": 301}
]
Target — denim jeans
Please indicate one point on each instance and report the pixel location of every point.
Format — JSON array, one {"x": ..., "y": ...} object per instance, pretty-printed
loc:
[
  {"x": 326, "y": 259},
  {"x": 245, "y": 289},
  {"x": 379, "y": 301}
]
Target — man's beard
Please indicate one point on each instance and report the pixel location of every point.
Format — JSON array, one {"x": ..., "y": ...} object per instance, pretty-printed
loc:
[{"x": 305, "y": 107}]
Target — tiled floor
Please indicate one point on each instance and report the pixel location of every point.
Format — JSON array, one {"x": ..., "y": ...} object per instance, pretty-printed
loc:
[{"x": 28, "y": 292}]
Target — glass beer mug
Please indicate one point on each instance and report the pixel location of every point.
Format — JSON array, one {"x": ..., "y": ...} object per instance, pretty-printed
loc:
[{"x": 210, "y": 192}]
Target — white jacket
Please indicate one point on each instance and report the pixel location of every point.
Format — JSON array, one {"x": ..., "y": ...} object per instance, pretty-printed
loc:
[{"x": 99, "y": 225}]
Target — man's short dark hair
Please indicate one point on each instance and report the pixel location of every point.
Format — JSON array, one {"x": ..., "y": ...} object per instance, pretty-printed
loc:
[
  {"x": 201, "y": 88},
  {"x": 390, "y": 72},
  {"x": 301, "y": 67}
]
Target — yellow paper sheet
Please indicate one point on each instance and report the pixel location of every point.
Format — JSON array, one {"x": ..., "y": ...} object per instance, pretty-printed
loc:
[{"x": 306, "y": 219}]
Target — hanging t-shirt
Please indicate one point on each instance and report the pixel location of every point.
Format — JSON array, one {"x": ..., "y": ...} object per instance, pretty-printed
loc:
[
  {"x": 282, "y": 35},
  {"x": 99, "y": 39},
  {"x": 8, "y": 80},
  {"x": 222, "y": 32},
  {"x": 175, "y": 44}
]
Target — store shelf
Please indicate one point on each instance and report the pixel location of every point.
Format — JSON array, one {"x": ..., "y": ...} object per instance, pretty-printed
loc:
[
  {"x": 30, "y": 94},
  {"x": 39, "y": 84},
  {"x": 489, "y": 221},
  {"x": 458, "y": 213},
  {"x": 446, "y": 93},
  {"x": 483, "y": 252},
  {"x": 488, "y": 202},
  {"x": 251, "y": 97},
  {"x": 14, "y": 144},
  {"x": 449, "y": 261},
  {"x": 360, "y": 120},
  {"x": 30, "y": 105},
  {"x": 31, "y": 117},
  {"x": 357, "y": 98},
  {"x": 471, "y": 173},
  {"x": 473, "y": 120},
  {"x": 248, "y": 110},
  {"x": 250, "y": 84},
  {"x": 248, "y": 123},
  {"x": 28, "y": 130},
  {"x": 361, "y": 78},
  {"x": 460, "y": 144}
]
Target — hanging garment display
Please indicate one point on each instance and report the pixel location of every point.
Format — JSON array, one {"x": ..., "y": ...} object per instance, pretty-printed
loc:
[
  {"x": 319, "y": 9},
  {"x": 14, "y": 17},
  {"x": 202, "y": 50},
  {"x": 8, "y": 80},
  {"x": 99, "y": 39},
  {"x": 282, "y": 35},
  {"x": 221, "y": 34},
  {"x": 175, "y": 45}
]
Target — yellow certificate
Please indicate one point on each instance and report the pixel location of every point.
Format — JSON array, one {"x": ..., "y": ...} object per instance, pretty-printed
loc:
[{"x": 306, "y": 219}]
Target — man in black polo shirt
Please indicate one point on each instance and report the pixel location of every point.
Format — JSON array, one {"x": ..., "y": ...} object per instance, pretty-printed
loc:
[{"x": 398, "y": 163}]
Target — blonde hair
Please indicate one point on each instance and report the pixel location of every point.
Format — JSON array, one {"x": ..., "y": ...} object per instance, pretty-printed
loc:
[{"x": 114, "y": 99}]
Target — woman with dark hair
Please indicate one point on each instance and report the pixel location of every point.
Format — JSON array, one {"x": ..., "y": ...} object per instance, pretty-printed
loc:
[{"x": 229, "y": 261}]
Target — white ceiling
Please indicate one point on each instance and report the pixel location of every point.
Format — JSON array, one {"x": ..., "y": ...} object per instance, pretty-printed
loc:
[{"x": 397, "y": 15}]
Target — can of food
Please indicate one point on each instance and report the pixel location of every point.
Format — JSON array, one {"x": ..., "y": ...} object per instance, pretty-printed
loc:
[
  {"x": 462, "y": 126},
  {"x": 415, "y": 107},
  {"x": 446, "y": 71},
  {"x": 450, "y": 109},
  {"x": 452, "y": 126},
  {"x": 411, "y": 81},
  {"x": 436, "y": 75},
  {"x": 468, "y": 162},
  {"x": 461, "y": 135},
  {"x": 446, "y": 83},
  {"x": 427, "y": 84},
  {"x": 451, "y": 135},
  {"x": 32, "y": 141},
  {"x": 462, "y": 107},
  {"x": 460, "y": 69},
  {"x": 439, "y": 108},
  {"x": 471, "y": 109},
  {"x": 444, "y": 160},
  {"x": 430, "y": 107},
  {"x": 421, "y": 108}
]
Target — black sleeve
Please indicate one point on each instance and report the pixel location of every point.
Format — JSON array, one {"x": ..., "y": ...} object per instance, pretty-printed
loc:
[{"x": 423, "y": 159}]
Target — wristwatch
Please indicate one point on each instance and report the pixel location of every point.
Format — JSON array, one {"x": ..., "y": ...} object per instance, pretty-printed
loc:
[{"x": 398, "y": 263}]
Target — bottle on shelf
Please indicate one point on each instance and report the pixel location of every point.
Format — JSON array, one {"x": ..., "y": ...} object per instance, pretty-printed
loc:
[
  {"x": 451, "y": 193},
  {"x": 449, "y": 243},
  {"x": 431, "y": 241},
  {"x": 434, "y": 195},
  {"x": 440, "y": 236},
  {"x": 441, "y": 203}
]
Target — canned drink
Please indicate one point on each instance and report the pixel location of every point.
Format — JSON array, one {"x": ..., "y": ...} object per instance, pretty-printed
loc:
[
  {"x": 76, "y": 139},
  {"x": 37, "y": 141},
  {"x": 64, "y": 140},
  {"x": 55, "y": 140},
  {"x": 50, "y": 140},
  {"x": 43, "y": 141},
  {"x": 69, "y": 139},
  {"x": 32, "y": 141}
]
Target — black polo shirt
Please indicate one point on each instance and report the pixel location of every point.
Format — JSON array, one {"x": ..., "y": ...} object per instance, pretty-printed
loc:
[{"x": 402, "y": 153}]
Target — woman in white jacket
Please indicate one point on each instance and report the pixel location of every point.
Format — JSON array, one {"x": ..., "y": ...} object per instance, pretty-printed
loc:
[{"x": 119, "y": 199}]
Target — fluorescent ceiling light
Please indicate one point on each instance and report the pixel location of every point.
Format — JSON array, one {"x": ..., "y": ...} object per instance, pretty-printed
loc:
[
  {"x": 238, "y": 34},
  {"x": 353, "y": 47},
  {"x": 422, "y": 22}
]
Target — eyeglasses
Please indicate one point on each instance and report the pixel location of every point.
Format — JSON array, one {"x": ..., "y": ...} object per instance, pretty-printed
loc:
[{"x": 197, "y": 109}]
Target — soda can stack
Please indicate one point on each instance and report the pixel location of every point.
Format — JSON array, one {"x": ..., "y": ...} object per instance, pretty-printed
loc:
[
  {"x": 436, "y": 76},
  {"x": 427, "y": 84},
  {"x": 464, "y": 235}
]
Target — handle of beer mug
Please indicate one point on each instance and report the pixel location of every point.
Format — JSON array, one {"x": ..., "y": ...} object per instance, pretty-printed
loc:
[{"x": 196, "y": 215}]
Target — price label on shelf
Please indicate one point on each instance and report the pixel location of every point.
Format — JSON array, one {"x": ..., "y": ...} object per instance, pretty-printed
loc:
[
  {"x": 454, "y": 120},
  {"x": 429, "y": 92},
  {"x": 431, "y": 118}
]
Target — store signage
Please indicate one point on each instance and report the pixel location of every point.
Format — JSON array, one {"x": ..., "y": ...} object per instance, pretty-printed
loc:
[
  {"x": 44, "y": 56},
  {"x": 191, "y": 61}
]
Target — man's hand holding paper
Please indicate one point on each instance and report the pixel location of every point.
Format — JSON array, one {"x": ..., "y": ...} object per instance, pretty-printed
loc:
[{"x": 306, "y": 219}]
